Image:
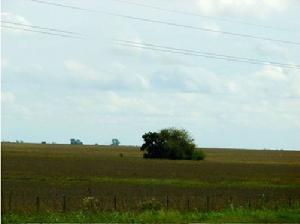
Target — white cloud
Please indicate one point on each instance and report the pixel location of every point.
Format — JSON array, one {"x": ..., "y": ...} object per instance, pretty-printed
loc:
[
  {"x": 249, "y": 7},
  {"x": 233, "y": 87},
  {"x": 295, "y": 87},
  {"x": 11, "y": 17},
  {"x": 81, "y": 71},
  {"x": 4, "y": 62},
  {"x": 212, "y": 26},
  {"x": 268, "y": 83},
  {"x": 266, "y": 49},
  {"x": 11, "y": 106},
  {"x": 188, "y": 79},
  {"x": 7, "y": 97},
  {"x": 14, "y": 18},
  {"x": 272, "y": 73},
  {"x": 133, "y": 105},
  {"x": 116, "y": 78}
]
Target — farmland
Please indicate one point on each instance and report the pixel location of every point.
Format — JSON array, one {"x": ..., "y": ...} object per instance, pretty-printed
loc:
[{"x": 55, "y": 177}]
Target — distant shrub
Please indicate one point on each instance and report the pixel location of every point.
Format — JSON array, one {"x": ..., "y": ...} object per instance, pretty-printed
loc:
[
  {"x": 198, "y": 155},
  {"x": 121, "y": 155},
  {"x": 74, "y": 141},
  {"x": 115, "y": 142},
  {"x": 89, "y": 204},
  {"x": 151, "y": 205},
  {"x": 170, "y": 143}
]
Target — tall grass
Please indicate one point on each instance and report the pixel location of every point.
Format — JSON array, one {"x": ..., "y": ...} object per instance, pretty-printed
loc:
[{"x": 291, "y": 215}]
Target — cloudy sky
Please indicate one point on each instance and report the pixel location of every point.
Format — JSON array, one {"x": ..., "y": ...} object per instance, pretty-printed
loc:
[{"x": 55, "y": 88}]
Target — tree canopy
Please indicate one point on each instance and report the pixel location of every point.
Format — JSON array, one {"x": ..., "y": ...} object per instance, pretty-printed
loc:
[
  {"x": 170, "y": 143},
  {"x": 74, "y": 141},
  {"x": 115, "y": 142}
]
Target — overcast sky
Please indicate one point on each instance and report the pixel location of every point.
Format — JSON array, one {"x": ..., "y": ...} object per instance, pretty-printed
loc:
[{"x": 56, "y": 88}]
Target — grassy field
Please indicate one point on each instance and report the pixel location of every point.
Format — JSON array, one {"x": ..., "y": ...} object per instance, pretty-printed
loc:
[
  {"x": 119, "y": 178},
  {"x": 162, "y": 216}
]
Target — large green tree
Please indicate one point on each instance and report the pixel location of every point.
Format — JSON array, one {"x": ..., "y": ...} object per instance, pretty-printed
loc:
[{"x": 170, "y": 143}]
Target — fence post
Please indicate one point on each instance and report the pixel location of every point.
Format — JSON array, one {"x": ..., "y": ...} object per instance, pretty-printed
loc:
[
  {"x": 207, "y": 203},
  {"x": 64, "y": 203},
  {"x": 91, "y": 204},
  {"x": 167, "y": 202},
  {"x": 231, "y": 202},
  {"x": 262, "y": 201},
  {"x": 249, "y": 203},
  {"x": 290, "y": 202},
  {"x": 276, "y": 206},
  {"x": 115, "y": 202},
  {"x": 10, "y": 202},
  {"x": 37, "y": 204},
  {"x": 266, "y": 201},
  {"x": 2, "y": 203},
  {"x": 188, "y": 204}
]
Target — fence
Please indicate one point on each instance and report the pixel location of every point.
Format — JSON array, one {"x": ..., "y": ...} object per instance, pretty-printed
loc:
[{"x": 64, "y": 203}]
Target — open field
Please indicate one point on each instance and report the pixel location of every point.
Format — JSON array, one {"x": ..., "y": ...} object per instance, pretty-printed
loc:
[{"x": 119, "y": 178}]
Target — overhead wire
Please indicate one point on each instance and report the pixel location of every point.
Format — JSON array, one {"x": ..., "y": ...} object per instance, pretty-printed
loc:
[
  {"x": 41, "y": 32},
  {"x": 42, "y": 28},
  {"x": 188, "y": 13},
  {"x": 169, "y": 23},
  {"x": 167, "y": 49},
  {"x": 206, "y": 53},
  {"x": 63, "y": 5}
]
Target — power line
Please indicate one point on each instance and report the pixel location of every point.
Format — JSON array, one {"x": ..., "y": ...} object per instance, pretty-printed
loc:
[
  {"x": 167, "y": 49},
  {"x": 222, "y": 19},
  {"x": 156, "y": 47},
  {"x": 204, "y": 29},
  {"x": 206, "y": 56},
  {"x": 63, "y": 5},
  {"x": 169, "y": 23},
  {"x": 209, "y": 53},
  {"x": 41, "y": 32},
  {"x": 40, "y": 27}
]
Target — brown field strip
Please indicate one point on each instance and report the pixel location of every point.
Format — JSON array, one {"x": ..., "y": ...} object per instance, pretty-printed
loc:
[{"x": 50, "y": 171}]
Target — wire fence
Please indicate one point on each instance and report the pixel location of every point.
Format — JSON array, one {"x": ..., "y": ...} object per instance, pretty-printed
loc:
[{"x": 63, "y": 203}]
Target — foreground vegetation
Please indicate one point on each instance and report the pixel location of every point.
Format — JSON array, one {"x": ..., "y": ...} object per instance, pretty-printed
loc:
[{"x": 161, "y": 216}]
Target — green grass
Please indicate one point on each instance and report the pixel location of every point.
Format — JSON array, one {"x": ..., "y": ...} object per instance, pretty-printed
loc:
[
  {"x": 152, "y": 182},
  {"x": 162, "y": 216}
]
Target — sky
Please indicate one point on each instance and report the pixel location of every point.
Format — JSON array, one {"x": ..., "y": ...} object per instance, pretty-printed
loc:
[{"x": 54, "y": 88}]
